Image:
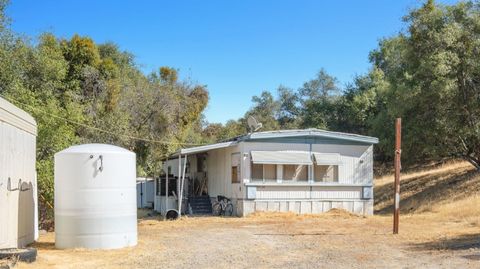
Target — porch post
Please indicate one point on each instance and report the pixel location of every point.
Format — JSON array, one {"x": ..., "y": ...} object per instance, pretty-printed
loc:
[
  {"x": 166, "y": 189},
  {"x": 178, "y": 177},
  {"x": 180, "y": 192}
]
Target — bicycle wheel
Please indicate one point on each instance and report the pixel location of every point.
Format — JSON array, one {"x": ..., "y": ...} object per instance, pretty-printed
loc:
[
  {"x": 228, "y": 209},
  {"x": 216, "y": 209}
]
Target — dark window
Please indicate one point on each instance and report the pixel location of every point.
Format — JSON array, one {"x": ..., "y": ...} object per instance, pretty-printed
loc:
[
  {"x": 172, "y": 186},
  {"x": 257, "y": 171},
  {"x": 235, "y": 177}
]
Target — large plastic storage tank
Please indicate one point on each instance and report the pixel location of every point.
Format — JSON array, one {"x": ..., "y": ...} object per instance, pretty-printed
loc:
[{"x": 95, "y": 197}]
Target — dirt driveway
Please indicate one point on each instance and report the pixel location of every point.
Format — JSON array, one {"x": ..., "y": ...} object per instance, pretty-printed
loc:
[{"x": 336, "y": 240}]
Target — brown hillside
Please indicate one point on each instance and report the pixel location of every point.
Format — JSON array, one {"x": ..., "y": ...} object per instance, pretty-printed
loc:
[{"x": 423, "y": 191}]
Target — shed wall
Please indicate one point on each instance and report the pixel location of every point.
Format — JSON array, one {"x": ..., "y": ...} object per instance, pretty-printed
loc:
[{"x": 18, "y": 183}]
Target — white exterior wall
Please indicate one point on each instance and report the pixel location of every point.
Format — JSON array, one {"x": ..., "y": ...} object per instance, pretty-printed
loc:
[
  {"x": 219, "y": 171},
  {"x": 357, "y": 162},
  {"x": 145, "y": 192},
  {"x": 18, "y": 206},
  {"x": 355, "y": 175}
]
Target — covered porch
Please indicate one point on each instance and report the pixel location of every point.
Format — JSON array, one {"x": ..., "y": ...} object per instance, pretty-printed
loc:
[{"x": 185, "y": 178}]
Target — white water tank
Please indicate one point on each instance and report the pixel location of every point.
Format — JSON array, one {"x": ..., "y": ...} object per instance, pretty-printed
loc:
[{"x": 95, "y": 197}]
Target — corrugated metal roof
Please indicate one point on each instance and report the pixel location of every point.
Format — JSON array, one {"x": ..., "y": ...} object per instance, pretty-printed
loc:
[
  {"x": 280, "y": 134},
  {"x": 281, "y": 157},
  {"x": 312, "y": 133}
]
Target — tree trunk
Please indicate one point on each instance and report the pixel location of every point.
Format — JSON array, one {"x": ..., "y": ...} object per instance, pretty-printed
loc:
[{"x": 474, "y": 161}]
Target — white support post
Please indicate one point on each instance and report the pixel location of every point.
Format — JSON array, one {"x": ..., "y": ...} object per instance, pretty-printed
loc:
[
  {"x": 180, "y": 192},
  {"x": 166, "y": 189},
  {"x": 179, "y": 175},
  {"x": 279, "y": 168}
]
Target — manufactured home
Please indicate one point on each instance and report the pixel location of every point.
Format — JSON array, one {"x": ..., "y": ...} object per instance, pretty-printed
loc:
[{"x": 301, "y": 171}]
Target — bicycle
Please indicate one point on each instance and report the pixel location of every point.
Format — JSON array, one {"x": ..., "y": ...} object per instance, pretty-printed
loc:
[{"x": 222, "y": 207}]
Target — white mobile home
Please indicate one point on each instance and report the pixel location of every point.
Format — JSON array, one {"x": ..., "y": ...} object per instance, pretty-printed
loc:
[
  {"x": 303, "y": 171},
  {"x": 18, "y": 181}
]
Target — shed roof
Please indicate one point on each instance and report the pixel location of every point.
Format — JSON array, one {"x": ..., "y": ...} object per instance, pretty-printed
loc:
[{"x": 14, "y": 116}]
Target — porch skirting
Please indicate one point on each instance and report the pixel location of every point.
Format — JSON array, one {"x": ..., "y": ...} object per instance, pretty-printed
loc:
[{"x": 310, "y": 206}]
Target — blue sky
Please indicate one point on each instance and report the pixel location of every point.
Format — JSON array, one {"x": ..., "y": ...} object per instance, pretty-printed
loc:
[{"x": 236, "y": 48}]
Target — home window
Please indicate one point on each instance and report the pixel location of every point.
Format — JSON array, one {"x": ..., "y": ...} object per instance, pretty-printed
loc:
[
  {"x": 264, "y": 172},
  {"x": 295, "y": 172},
  {"x": 235, "y": 177},
  {"x": 235, "y": 167},
  {"x": 326, "y": 173},
  {"x": 279, "y": 165},
  {"x": 270, "y": 172},
  {"x": 257, "y": 171}
]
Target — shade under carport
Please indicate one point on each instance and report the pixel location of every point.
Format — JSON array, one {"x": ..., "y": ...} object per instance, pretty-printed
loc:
[
  {"x": 327, "y": 158},
  {"x": 281, "y": 157}
]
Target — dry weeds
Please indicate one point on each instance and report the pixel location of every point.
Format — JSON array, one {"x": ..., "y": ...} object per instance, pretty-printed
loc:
[{"x": 444, "y": 233}]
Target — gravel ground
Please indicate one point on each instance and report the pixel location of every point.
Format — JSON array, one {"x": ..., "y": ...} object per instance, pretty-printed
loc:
[{"x": 276, "y": 241}]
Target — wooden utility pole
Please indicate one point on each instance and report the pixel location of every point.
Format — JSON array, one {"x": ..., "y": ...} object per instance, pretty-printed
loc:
[{"x": 398, "y": 166}]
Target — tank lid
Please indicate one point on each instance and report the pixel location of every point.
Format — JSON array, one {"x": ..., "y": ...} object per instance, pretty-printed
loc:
[{"x": 95, "y": 148}]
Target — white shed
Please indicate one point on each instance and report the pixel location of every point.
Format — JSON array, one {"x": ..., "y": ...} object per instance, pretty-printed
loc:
[
  {"x": 18, "y": 182},
  {"x": 145, "y": 192},
  {"x": 303, "y": 171}
]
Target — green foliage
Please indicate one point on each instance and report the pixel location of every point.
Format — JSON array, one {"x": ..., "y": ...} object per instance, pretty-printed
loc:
[
  {"x": 68, "y": 85},
  {"x": 428, "y": 75}
]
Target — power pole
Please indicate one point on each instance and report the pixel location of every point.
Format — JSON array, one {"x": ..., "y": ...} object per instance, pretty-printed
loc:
[{"x": 398, "y": 166}]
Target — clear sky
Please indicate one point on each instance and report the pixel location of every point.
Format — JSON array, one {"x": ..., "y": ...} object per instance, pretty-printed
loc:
[{"x": 236, "y": 48}]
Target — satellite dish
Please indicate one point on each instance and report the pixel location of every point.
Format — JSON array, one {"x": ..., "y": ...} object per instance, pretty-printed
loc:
[{"x": 253, "y": 124}]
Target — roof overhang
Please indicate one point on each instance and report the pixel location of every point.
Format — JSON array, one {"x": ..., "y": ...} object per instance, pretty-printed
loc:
[{"x": 205, "y": 148}]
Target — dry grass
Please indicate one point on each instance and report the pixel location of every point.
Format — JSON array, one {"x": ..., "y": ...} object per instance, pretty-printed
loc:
[
  {"x": 276, "y": 216},
  {"x": 439, "y": 228},
  {"x": 440, "y": 206},
  {"x": 419, "y": 172},
  {"x": 335, "y": 240},
  {"x": 425, "y": 191}
]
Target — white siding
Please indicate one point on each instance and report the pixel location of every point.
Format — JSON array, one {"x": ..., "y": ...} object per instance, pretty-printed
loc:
[
  {"x": 219, "y": 163},
  {"x": 18, "y": 209},
  {"x": 357, "y": 162},
  {"x": 307, "y": 192},
  {"x": 355, "y": 172}
]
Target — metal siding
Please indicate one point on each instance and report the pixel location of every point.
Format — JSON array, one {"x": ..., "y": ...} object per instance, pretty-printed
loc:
[
  {"x": 352, "y": 171},
  {"x": 356, "y": 168},
  {"x": 307, "y": 192},
  {"x": 18, "y": 217},
  {"x": 219, "y": 171}
]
